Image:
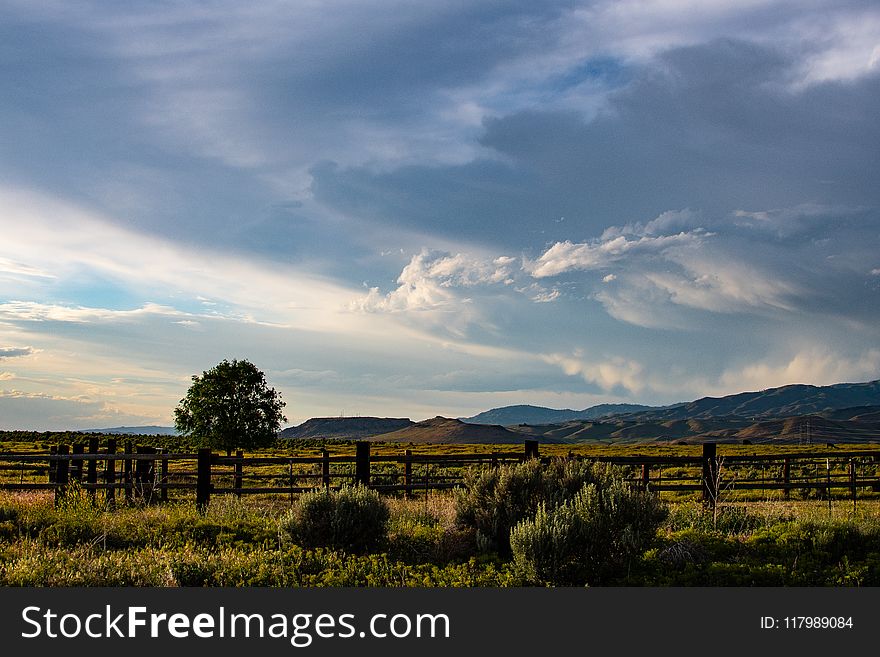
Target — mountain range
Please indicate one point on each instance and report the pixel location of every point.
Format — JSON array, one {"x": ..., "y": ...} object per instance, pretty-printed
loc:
[
  {"x": 845, "y": 412},
  {"x": 861, "y": 424},
  {"x": 786, "y": 401}
]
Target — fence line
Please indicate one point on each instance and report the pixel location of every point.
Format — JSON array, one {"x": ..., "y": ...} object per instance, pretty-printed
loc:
[{"x": 146, "y": 472}]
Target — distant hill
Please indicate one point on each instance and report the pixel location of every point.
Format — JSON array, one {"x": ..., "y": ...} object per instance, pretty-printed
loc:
[
  {"x": 858, "y": 413},
  {"x": 527, "y": 414},
  {"x": 448, "y": 430},
  {"x": 853, "y": 425},
  {"x": 845, "y": 412},
  {"x": 616, "y": 430},
  {"x": 151, "y": 430},
  {"x": 787, "y": 401},
  {"x": 345, "y": 427}
]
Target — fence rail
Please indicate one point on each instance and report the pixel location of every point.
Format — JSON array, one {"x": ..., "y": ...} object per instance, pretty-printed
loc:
[{"x": 147, "y": 473}]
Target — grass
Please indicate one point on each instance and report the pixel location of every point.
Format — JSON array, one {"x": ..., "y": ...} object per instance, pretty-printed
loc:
[
  {"x": 234, "y": 543},
  {"x": 755, "y": 538},
  {"x": 766, "y": 544},
  {"x": 33, "y": 441},
  {"x": 239, "y": 543}
]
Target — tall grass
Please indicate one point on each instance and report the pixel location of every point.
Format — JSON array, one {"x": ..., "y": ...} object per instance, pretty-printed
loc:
[
  {"x": 242, "y": 543},
  {"x": 235, "y": 543}
]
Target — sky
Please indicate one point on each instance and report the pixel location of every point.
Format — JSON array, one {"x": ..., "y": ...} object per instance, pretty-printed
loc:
[{"x": 426, "y": 208}]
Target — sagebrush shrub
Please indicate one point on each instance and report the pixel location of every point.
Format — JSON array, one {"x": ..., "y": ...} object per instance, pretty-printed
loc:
[
  {"x": 8, "y": 513},
  {"x": 493, "y": 500},
  {"x": 590, "y": 538},
  {"x": 412, "y": 541},
  {"x": 354, "y": 519}
]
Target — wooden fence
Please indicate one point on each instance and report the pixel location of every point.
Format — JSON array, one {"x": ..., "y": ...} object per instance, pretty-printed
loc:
[{"x": 147, "y": 473}]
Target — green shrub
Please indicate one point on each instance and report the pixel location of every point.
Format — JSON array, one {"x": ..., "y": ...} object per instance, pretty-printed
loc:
[
  {"x": 7, "y": 530},
  {"x": 69, "y": 531},
  {"x": 493, "y": 500},
  {"x": 8, "y": 521},
  {"x": 412, "y": 541},
  {"x": 590, "y": 539},
  {"x": 8, "y": 513},
  {"x": 354, "y": 519}
]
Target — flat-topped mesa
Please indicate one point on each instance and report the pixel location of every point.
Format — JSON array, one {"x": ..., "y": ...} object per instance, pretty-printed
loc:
[{"x": 345, "y": 427}]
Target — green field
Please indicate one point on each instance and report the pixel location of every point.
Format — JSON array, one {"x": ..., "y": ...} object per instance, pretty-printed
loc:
[
  {"x": 754, "y": 539},
  {"x": 238, "y": 543}
]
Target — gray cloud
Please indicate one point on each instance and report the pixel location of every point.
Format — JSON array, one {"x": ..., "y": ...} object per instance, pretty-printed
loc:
[
  {"x": 197, "y": 122},
  {"x": 52, "y": 413},
  {"x": 716, "y": 127},
  {"x": 14, "y": 352},
  {"x": 783, "y": 177}
]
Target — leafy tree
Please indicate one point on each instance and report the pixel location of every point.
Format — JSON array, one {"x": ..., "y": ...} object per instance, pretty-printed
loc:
[{"x": 230, "y": 406}]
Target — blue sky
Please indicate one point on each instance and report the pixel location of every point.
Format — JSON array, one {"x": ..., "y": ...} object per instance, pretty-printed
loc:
[{"x": 422, "y": 208}]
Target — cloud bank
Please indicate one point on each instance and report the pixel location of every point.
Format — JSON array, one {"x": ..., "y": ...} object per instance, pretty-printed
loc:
[{"x": 412, "y": 210}]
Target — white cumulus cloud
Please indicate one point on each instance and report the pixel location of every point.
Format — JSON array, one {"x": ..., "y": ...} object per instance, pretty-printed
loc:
[
  {"x": 567, "y": 256},
  {"x": 429, "y": 280},
  {"x": 817, "y": 365},
  {"x": 609, "y": 373}
]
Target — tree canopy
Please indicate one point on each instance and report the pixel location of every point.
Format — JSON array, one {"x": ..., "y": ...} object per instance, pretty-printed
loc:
[{"x": 230, "y": 407}]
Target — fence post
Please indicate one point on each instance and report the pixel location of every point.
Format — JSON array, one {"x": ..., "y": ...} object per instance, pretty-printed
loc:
[
  {"x": 407, "y": 473},
  {"x": 786, "y": 478},
  {"x": 145, "y": 472},
  {"x": 76, "y": 469},
  {"x": 710, "y": 473},
  {"x": 828, "y": 484},
  {"x": 203, "y": 480},
  {"x": 110, "y": 472},
  {"x": 852, "y": 481},
  {"x": 236, "y": 483},
  {"x": 646, "y": 476},
  {"x": 163, "y": 481},
  {"x": 126, "y": 477},
  {"x": 151, "y": 470},
  {"x": 362, "y": 463},
  {"x": 92, "y": 466},
  {"x": 325, "y": 468},
  {"x": 53, "y": 464},
  {"x": 290, "y": 480},
  {"x": 61, "y": 474},
  {"x": 532, "y": 450}
]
